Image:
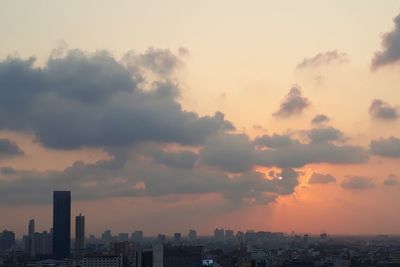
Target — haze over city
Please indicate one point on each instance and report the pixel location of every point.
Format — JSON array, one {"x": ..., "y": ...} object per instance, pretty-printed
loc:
[{"x": 165, "y": 116}]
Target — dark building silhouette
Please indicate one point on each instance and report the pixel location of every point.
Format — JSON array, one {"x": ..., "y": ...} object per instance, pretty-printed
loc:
[
  {"x": 7, "y": 240},
  {"x": 79, "y": 235},
  {"x": 61, "y": 224},
  {"x": 31, "y": 227}
]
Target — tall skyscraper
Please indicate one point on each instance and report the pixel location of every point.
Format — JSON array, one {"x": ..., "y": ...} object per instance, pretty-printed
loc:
[
  {"x": 79, "y": 235},
  {"x": 61, "y": 224},
  {"x": 31, "y": 227}
]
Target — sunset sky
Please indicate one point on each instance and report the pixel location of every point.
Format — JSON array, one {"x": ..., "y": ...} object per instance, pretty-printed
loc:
[{"x": 166, "y": 116}]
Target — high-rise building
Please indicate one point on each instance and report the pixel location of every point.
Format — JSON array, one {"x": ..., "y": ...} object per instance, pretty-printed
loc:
[
  {"x": 219, "y": 234},
  {"x": 137, "y": 237},
  {"x": 192, "y": 235},
  {"x": 7, "y": 240},
  {"x": 79, "y": 235},
  {"x": 162, "y": 239},
  {"x": 229, "y": 235},
  {"x": 177, "y": 238},
  {"x": 61, "y": 224},
  {"x": 123, "y": 237},
  {"x": 106, "y": 236},
  {"x": 31, "y": 227}
]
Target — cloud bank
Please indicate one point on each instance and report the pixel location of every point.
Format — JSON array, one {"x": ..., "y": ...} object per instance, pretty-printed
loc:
[{"x": 390, "y": 52}]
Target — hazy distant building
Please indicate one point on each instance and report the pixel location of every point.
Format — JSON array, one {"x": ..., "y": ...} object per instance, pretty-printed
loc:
[
  {"x": 61, "y": 224},
  {"x": 229, "y": 235},
  {"x": 79, "y": 235},
  {"x": 137, "y": 237},
  {"x": 123, "y": 237},
  {"x": 219, "y": 234},
  {"x": 31, "y": 227},
  {"x": 162, "y": 239},
  {"x": 192, "y": 235},
  {"x": 106, "y": 236},
  {"x": 177, "y": 238},
  {"x": 7, "y": 240}
]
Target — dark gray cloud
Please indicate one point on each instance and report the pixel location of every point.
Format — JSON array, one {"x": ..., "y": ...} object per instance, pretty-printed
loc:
[
  {"x": 137, "y": 177},
  {"x": 232, "y": 153},
  {"x": 293, "y": 104},
  {"x": 321, "y": 59},
  {"x": 383, "y": 111},
  {"x": 237, "y": 153},
  {"x": 7, "y": 170},
  {"x": 386, "y": 147},
  {"x": 390, "y": 53},
  {"x": 320, "y": 119},
  {"x": 319, "y": 178},
  {"x": 179, "y": 159},
  {"x": 159, "y": 61},
  {"x": 392, "y": 180},
  {"x": 357, "y": 183},
  {"x": 325, "y": 134},
  {"x": 92, "y": 100},
  {"x": 284, "y": 151},
  {"x": 9, "y": 148}
]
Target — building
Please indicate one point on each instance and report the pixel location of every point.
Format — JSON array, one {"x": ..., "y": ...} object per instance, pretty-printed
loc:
[
  {"x": 177, "y": 238},
  {"x": 182, "y": 256},
  {"x": 158, "y": 255},
  {"x": 40, "y": 244},
  {"x": 192, "y": 235},
  {"x": 61, "y": 224},
  {"x": 101, "y": 261},
  {"x": 137, "y": 237},
  {"x": 162, "y": 239},
  {"x": 106, "y": 236},
  {"x": 219, "y": 234},
  {"x": 7, "y": 240},
  {"x": 79, "y": 235},
  {"x": 31, "y": 227},
  {"x": 229, "y": 235},
  {"x": 123, "y": 237}
]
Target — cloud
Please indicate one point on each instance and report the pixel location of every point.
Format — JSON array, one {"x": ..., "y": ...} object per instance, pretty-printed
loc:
[
  {"x": 139, "y": 177},
  {"x": 321, "y": 59},
  {"x": 232, "y": 153},
  {"x": 9, "y": 148},
  {"x": 293, "y": 104},
  {"x": 383, "y": 111},
  {"x": 324, "y": 134},
  {"x": 386, "y": 147},
  {"x": 178, "y": 159},
  {"x": 159, "y": 61},
  {"x": 390, "y": 53},
  {"x": 236, "y": 153},
  {"x": 319, "y": 178},
  {"x": 92, "y": 100},
  {"x": 7, "y": 170},
  {"x": 320, "y": 119},
  {"x": 392, "y": 180},
  {"x": 357, "y": 183},
  {"x": 283, "y": 151}
]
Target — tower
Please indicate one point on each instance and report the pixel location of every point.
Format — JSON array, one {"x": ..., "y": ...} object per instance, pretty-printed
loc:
[
  {"x": 61, "y": 224},
  {"x": 79, "y": 235},
  {"x": 31, "y": 227}
]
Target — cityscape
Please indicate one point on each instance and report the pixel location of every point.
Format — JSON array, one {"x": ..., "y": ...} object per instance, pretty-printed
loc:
[
  {"x": 199, "y": 133},
  {"x": 225, "y": 248}
]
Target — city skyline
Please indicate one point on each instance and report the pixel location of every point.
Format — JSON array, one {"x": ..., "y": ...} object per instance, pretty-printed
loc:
[{"x": 169, "y": 116}]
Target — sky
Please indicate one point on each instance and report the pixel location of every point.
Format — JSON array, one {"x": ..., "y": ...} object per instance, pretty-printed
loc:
[{"x": 166, "y": 116}]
